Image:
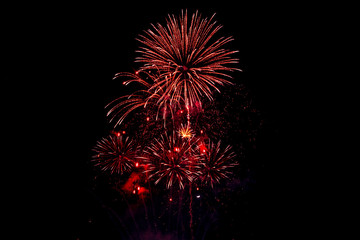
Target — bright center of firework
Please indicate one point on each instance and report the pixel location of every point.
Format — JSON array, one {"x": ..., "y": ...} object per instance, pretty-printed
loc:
[
  {"x": 184, "y": 68},
  {"x": 185, "y": 131}
]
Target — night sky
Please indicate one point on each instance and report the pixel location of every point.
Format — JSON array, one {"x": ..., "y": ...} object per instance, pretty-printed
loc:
[{"x": 85, "y": 45}]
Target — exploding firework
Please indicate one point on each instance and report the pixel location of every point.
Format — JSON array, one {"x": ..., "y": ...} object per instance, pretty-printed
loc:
[
  {"x": 186, "y": 131},
  {"x": 189, "y": 61},
  {"x": 182, "y": 63},
  {"x": 215, "y": 163},
  {"x": 115, "y": 154},
  {"x": 170, "y": 159}
]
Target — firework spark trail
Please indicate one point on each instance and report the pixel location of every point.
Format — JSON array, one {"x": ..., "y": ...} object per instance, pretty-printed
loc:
[
  {"x": 191, "y": 213},
  {"x": 146, "y": 211},
  {"x": 121, "y": 107},
  {"x": 131, "y": 214}
]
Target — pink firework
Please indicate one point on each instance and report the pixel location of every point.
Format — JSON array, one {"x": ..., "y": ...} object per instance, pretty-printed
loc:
[
  {"x": 215, "y": 163},
  {"x": 190, "y": 63},
  {"x": 170, "y": 159},
  {"x": 115, "y": 154}
]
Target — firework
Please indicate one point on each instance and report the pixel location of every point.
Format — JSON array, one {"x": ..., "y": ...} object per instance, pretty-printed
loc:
[
  {"x": 215, "y": 163},
  {"x": 115, "y": 154},
  {"x": 170, "y": 159},
  {"x": 189, "y": 61},
  {"x": 182, "y": 63},
  {"x": 186, "y": 131}
]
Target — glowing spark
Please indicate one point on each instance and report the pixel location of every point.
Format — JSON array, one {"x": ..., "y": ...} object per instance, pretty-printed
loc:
[{"x": 186, "y": 131}]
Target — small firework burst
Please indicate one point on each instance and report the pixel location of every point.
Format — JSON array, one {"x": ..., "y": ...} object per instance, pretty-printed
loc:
[
  {"x": 170, "y": 159},
  {"x": 115, "y": 154},
  {"x": 215, "y": 163},
  {"x": 186, "y": 131}
]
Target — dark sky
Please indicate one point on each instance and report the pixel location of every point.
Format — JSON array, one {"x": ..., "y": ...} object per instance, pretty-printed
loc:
[{"x": 83, "y": 46}]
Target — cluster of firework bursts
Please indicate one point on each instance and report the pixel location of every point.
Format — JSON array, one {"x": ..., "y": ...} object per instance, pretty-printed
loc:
[
  {"x": 182, "y": 66},
  {"x": 167, "y": 134},
  {"x": 174, "y": 160}
]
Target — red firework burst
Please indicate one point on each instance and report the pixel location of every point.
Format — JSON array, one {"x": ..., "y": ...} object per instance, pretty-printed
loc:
[
  {"x": 115, "y": 154},
  {"x": 182, "y": 63},
  {"x": 215, "y": 163},
  {"x": 189, "y": 62},
  {"x": 170, "y": 159}
]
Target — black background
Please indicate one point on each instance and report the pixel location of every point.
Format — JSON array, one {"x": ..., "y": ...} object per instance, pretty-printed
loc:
[{"x": 75, "y": 50}]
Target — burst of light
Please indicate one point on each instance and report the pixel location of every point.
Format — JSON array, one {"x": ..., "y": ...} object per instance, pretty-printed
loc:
[
  {"x": 171, "y": 168},
  {"x": 136, "y": 164},
  {"x": 186, "y": 131},
  {"x": 202, "y": 148},
  {"x": 216, "y": 163},
  {"x": 190, "y": 62},
  {"x": 115, "y": 154},
  {"x": 170, "y": 199},
  {"x": 147, "y": 118},
  {"x": 138, "y": 188},
  {"x": 182, "y": 64}
]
